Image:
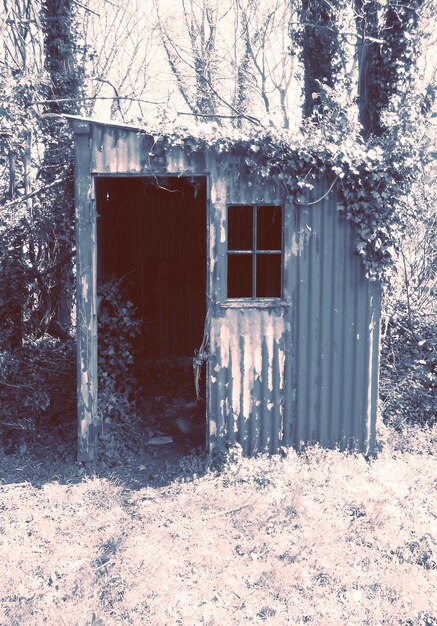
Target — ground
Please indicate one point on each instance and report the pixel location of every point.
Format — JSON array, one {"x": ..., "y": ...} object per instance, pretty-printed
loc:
[{"x": 319, "y": 537}]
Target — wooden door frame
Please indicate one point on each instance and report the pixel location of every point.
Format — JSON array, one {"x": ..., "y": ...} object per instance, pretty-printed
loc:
[{"x": 86, "y": 312}]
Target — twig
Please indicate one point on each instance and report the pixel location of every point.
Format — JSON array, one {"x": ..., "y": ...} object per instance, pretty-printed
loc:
[
  {"x": 322, "y": 197},
  {"x": 201, "y": 355},
  {"x": 2, "y": 382},
  {"x": 117, "y": 96},
  {"x": 249, "y": 503},
  {"x": 230, "y": 512},
  {"x": 14, "y": 485},
  {"x": 67, "y": 100},
  {"x": 230, "y": 117},
  {"x": 82, "y": 6},
  {"x": 16, "y": 426},
  {"x": 9, "y": 205}
]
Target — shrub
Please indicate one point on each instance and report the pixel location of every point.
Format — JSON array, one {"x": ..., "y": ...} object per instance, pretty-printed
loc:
[
  {"x": 118, "y": 332},
  {"x": 38, "y": 387},
  {"x": 408, "y": 379}
]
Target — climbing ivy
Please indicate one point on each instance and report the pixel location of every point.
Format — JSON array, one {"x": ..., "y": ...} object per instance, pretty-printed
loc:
[{"x": 372, "y": 179}]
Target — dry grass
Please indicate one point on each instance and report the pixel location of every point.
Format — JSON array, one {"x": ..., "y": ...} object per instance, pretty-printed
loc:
[{"x": 318, "y": 538}]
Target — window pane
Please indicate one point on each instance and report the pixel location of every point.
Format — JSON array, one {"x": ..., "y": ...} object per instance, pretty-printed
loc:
[
  {"x": 240, "y": 228},
  {"x": 239, "y": 275},
  {"x": 268, "y": 275},
  {"x": 269, "y": 228}
]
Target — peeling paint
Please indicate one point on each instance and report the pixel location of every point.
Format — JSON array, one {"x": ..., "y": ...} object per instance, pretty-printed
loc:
[
  {"x": 295, "y": 245},
  {"x": 300, "y": 240},
  {"x": 84, "y": 283},
  {"x": 223, "y": 231},
  {"x": 224, "y": 345},
  {"x": 246, "y": 340},
  {"x": 212, "y": 249}
]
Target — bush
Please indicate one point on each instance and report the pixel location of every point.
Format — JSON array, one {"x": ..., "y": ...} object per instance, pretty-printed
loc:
[
  {"x": 38, "y": 387},
  {"x": 118, "y": 332},
  {"x": 408, "y": 379}
]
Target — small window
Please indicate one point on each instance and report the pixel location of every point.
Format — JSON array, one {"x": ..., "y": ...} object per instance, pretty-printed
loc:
[{"x": 254, "y": 251}]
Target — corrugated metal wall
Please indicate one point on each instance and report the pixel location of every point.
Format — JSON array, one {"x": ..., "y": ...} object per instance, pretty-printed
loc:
[
  {"x": 247, "y": 367},
  {"x": 284, "y": 372},
  {"x": 304, "y": 369},
  {"x": 332, "y": 366}
]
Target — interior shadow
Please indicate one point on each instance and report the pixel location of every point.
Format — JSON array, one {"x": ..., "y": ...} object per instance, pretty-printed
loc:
[{"x": 151, "y": 237}]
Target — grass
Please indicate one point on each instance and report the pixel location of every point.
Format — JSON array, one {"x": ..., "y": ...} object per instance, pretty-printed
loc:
[{"x": 318, "y": 538}]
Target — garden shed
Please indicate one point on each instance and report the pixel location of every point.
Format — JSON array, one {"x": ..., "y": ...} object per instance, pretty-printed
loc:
[{"x": 254, "y": 282}]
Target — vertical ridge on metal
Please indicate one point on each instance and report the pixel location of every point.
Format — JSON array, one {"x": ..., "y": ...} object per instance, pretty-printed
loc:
[
  {"x": 88, "y": 420},
  {"x": 334, "y": 351}
]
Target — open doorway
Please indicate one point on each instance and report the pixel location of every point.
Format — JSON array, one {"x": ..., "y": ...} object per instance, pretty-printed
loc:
[{"x": 151, "y": 235}]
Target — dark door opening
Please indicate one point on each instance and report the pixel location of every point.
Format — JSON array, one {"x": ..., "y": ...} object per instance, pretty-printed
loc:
[{"x": 151, "y": 236}]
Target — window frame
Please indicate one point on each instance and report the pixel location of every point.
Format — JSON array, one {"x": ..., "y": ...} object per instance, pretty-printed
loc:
[{"x": 254, "y": 253}]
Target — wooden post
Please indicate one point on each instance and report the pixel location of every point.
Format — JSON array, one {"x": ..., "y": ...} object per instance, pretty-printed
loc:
[{"x": 88, "y": 419}]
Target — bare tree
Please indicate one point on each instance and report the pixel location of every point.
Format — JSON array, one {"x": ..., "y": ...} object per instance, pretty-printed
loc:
[
  {"x": 231, "y": 60},
  {"x": 271, "y": 67},
  {"x": 122, "y": 60}
]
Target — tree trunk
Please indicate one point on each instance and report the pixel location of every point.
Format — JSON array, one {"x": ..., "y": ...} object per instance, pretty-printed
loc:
[
  {"x": 66, "y": 78},
  {"x": 320, "y": 50},
  {"x": 386, "y": 50},
  {"x": 370, "y": 71}
]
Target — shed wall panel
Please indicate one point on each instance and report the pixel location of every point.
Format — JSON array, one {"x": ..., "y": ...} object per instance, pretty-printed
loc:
[
  {"x": 247, "y": 378},
  {"x": 335, "y": 332}
]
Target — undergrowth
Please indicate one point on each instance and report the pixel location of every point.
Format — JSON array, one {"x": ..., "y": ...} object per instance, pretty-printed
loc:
[
  {"x": 408, "y": 381},
  {"x": 119, "y": 329},
  {"x": 37, "y": 392}
]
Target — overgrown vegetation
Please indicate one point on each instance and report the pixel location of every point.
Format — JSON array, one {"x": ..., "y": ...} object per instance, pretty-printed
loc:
[
  {"x": 372, "y": 179},
  {"x": 119, "y": 329},
  {"x": 408, "y": 379},
  {"x": 317, "y": 538},
  {"x": 38, "y": 394}
]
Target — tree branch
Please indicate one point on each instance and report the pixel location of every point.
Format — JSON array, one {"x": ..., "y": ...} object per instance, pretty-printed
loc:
[
  {"x": 249, "y": 118},
  {"x": 229, "y": 117},
  {"x": 94, "y": 98},
  {"x": 27, "y": 196}
]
